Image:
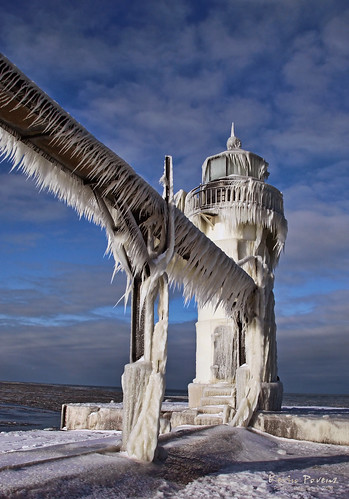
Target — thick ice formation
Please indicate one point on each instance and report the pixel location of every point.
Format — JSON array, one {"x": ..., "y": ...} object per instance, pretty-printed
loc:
[
  {"x": 143, "y": 385},
  {"x": 144, "y": 381}
]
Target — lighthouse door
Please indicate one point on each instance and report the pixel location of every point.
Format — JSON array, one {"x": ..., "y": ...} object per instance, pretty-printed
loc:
[{"x": 224, "y": 363}]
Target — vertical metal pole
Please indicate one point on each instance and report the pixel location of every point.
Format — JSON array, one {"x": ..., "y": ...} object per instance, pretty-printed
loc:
[
  {"x": 167, "y": 177},
  {"x": 137, "y": 324}
]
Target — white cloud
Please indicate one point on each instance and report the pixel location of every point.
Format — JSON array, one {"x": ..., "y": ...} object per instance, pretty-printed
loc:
[{"x": 317, "y": 242}]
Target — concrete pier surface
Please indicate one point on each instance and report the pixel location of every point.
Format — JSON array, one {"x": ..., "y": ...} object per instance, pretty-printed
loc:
[
  {"x": 315, "y": 424},
  {"x": 192, "y": 462}
]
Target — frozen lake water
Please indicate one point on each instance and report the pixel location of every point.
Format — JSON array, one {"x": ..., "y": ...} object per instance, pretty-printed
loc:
[{"x": 18, "y": 417}]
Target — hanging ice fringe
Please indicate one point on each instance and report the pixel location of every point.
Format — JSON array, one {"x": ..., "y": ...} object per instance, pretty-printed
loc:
[
  {"x": 105, "y": 189},
  {"x": 241, "y": 201}
]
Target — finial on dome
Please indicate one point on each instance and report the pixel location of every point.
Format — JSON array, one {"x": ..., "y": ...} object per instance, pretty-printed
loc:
[{"x": 233, "y": 142}]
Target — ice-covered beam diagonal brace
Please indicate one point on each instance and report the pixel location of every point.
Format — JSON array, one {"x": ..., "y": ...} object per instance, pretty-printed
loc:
[{"x": 45, "y": 142}]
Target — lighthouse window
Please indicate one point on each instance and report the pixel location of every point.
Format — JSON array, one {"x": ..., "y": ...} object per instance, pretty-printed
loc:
[{"x": 218, "y": 168}]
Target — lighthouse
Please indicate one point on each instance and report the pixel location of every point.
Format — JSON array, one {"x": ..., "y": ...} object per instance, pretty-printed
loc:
[{"x": 236, "y": 358}]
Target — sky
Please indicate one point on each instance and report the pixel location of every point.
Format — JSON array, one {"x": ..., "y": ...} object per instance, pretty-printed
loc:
[{"x": 161, "y": 77}]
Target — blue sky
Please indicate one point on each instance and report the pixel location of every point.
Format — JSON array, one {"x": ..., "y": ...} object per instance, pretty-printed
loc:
[{"x": 159, "y": 77}]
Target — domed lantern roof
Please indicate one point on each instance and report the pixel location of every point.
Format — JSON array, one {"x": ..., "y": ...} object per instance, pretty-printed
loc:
[{"x": 234, "y": 162}]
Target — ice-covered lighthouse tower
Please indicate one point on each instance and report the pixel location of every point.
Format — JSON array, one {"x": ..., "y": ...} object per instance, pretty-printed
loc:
[{"x": 243, "y": 215}]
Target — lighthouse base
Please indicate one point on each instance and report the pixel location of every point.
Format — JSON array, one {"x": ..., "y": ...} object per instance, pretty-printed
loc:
[{"x": 223, "y": 398}]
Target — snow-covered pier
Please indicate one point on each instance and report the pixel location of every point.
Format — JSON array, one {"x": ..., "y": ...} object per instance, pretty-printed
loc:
[{"x": 191, "y": 462}]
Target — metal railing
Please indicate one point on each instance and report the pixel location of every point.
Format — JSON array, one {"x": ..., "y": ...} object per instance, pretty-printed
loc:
[{"x": 227, "y": 192}]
